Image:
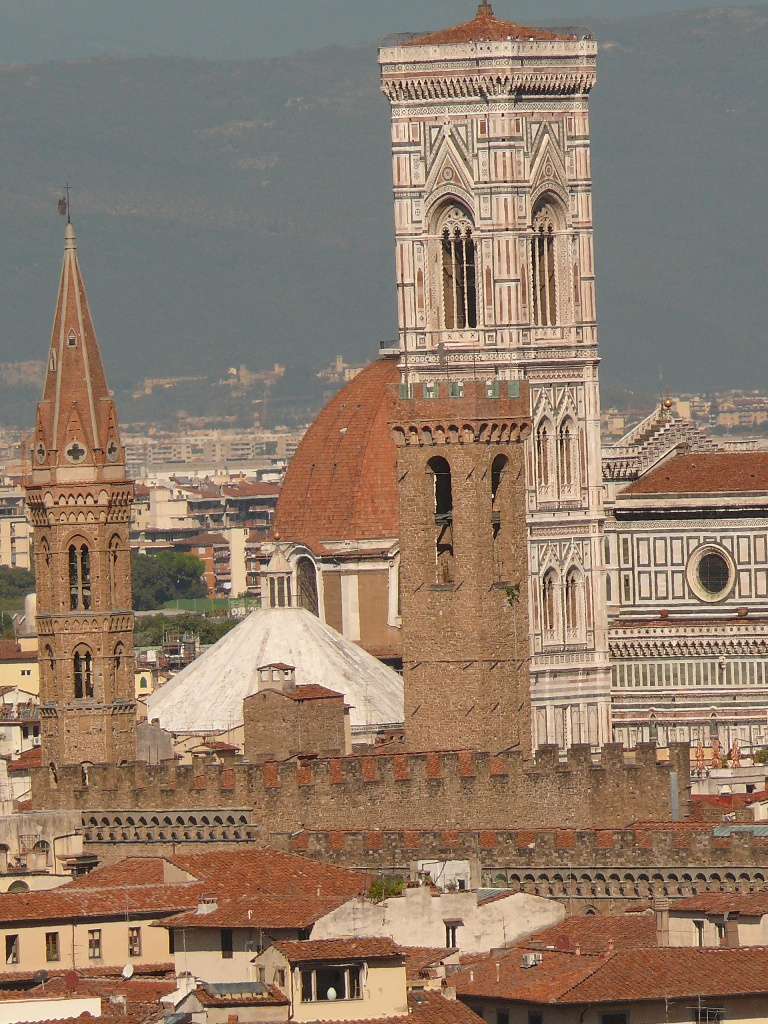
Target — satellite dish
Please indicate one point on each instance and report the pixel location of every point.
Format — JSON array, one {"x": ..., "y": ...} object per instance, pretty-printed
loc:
[
  {"x": 71, "y": 980},
  {"x": 128, "y": 971},
  {"x": 40, "y": 977}
]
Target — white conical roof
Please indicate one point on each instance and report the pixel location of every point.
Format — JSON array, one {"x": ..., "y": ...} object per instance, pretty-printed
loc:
[{"x": 207, "y": 696}]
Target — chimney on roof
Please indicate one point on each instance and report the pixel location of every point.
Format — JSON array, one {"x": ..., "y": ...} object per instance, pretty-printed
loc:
[{"x": 661, "y": 910}]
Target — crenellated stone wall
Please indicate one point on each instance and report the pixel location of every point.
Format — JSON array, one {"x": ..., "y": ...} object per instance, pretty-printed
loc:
[{"x": 433, "y": 790}]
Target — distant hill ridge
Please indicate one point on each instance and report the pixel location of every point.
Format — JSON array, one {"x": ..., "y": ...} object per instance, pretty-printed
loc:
[{"x": 243, "y": 208}]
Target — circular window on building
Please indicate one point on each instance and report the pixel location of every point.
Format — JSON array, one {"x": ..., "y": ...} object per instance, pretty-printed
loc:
[{"x": 711, "y": 573}]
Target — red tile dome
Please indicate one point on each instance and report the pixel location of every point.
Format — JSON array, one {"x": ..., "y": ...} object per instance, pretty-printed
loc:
[{"x": 340, "y": 484}]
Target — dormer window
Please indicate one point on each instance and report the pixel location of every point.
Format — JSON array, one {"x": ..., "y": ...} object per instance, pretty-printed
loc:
[{"x": 72, "y": 339}]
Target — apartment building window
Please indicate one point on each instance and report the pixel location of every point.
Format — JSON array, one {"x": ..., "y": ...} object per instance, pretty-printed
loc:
[
  {"x": 52, "y": 952},
  {"x": 698, "y": 933},
  {"x": 502, "y": 1017},
  {"x": 227, "y": 945},
  {"x": 94, "y": 944},
  {"x": 134, "y": 942},
  {"x": 11, "y": 949},
  {"x": 328, "y": 983},
  {"x": 451, "y": 933}
]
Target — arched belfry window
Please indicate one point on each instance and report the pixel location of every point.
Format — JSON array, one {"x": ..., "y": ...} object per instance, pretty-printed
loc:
[
  {"x": 568, "y": 454},
  {"x": 79, "y": 577},
  {"x": 548, "y": 605},
  {"x": 44, "y": 575},
  {"x": 443, "y": 497},
  {"x": 573, "y": 609},
  {"x": 82, "y": 672},
  {"x": 458, "y": 258},
  {"x": 544, "y": 264},
  {"x": 114, "y": 550},
  {"x": 543, "y": 454},
  {"x": 499, "y": 468}
]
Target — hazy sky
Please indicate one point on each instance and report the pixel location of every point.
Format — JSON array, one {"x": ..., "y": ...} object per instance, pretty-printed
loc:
[{"x": 39, "y": 30}]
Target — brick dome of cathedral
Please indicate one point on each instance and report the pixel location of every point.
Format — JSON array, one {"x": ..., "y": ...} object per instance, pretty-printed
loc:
[{"x": 340, "y": 484}]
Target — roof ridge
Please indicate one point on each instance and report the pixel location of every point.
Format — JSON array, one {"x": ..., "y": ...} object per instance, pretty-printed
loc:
[{"x": 602, "y": 960}]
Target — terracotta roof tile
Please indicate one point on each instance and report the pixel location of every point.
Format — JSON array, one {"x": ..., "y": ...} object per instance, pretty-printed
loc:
[
  {"x": 751, "y": 904},
  {"x": 313, "y": 950},
  {"x": 485, "y": 26},
  {"x": 704, "y": 473},
  {"x": 426, "y": 1007},
  {"x": 418, "y": 960},
  {"x": 595, "y": 934},
  {"x": 31, "y": 758}
]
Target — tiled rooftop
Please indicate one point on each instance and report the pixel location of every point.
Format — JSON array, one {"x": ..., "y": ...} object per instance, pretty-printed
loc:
[
  {"x": 338, "y": 949},
  {"x": 621, "y": 976},
  {"x": 704, "y": 473},
  {"x": 483, "y": 27},
  {"x": 749, "y": 904}
]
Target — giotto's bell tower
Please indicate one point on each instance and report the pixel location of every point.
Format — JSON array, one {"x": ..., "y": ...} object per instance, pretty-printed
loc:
[{"x": 496, "y": 282}]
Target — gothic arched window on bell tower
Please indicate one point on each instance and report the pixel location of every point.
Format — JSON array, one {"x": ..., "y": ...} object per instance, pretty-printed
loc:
[
  {"x": 44, "y": 576},
  {"x": 544, "y": 454},
  {"x": 574, "y": 615},
  {"x": 459, "y": 272},
  {"x": 544, "y": 261},
  {"x": 568, "y": 456},
  {"x": 443, "y": 492},
  {"x": 114, "y": 549},
  {"x": 549, "y": 606},
  {"x": 82, "y": 672},
  {"x": 79, "y": 577},
  {"x": 498, "y": 470}
]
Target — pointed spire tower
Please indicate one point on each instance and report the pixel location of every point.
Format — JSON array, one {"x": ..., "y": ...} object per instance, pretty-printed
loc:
[{"x": 80, "y": 505}]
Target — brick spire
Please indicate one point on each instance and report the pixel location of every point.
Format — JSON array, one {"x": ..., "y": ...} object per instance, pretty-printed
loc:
[{"x": 76, "y": 435}]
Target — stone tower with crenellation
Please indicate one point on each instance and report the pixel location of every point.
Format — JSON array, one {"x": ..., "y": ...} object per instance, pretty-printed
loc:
[
  {"x": 496, "y": 283},
  {"x": 80, "y": 505}
]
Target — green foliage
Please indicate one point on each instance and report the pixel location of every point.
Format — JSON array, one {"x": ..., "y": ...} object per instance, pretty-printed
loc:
[
  {"x": 15, "y": 584},
  {"x": 164, "y": 577},
  {"x": 761, "y": 756},
  {"x": 151, "y": 629},
  {"x": 384, "y": 886}
]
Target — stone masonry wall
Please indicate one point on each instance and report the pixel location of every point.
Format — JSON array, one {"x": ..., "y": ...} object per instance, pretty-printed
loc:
[
  {"x": 464, "y": 567},
  {"x": 277, "y": 726}
]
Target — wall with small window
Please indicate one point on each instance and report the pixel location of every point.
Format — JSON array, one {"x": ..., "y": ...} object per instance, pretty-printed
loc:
[
  {"x": 339, "y": 989},
  {"x": 43, "y": 945}
]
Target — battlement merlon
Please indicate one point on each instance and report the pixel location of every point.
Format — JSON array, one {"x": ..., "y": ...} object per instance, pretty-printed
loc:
[
  {"x": 445, "y": 411},
  {"x": 428, "y": 790}
]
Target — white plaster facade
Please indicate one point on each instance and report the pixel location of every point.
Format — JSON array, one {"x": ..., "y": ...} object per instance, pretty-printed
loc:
[{"x": 423, "y": 917}]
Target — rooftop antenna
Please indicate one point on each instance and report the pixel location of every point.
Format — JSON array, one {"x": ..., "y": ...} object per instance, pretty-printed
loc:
[{"x": 64, "y": 205}]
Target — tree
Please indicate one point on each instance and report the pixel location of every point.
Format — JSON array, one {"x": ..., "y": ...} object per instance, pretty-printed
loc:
[
  {"x": 166, "y": 576},
  {"x": 15, "y": 584},
  {"x": 150, "y": 630}
]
